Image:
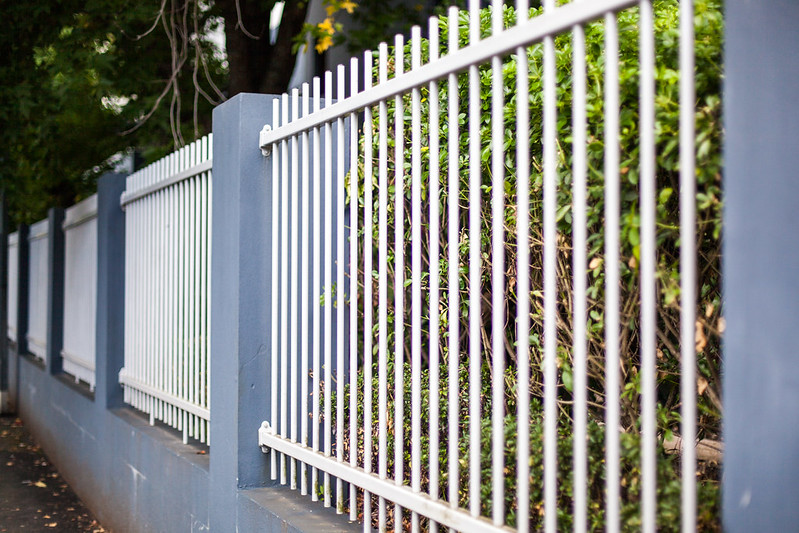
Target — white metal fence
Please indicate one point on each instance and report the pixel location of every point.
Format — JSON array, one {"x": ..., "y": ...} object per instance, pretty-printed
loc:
[
  {"x": 13, "y": 281},
  {"x": 167, "y": 254},
  {"x": 487, "y": 170},
  {"x": 38, "y": 242},
  {"x": 80, "y": 290}
]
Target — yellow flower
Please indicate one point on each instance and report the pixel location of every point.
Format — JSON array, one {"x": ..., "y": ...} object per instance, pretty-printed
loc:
[
  {"x": 324, "y": 43},
  {"x": 348, "y": 5},
  {"x": 326, "y": 26},
  {"x": 330, "y": 10}
]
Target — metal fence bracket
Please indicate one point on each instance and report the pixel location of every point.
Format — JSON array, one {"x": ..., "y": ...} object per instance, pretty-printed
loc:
[
  {"x": 262, "y": 142},
  {"x": 263, "y": 433}
]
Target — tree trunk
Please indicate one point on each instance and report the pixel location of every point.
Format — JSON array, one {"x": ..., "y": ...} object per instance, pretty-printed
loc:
[{"x": 256, "y": 65}]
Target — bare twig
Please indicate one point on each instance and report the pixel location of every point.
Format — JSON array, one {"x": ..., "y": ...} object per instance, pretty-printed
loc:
[
  {"x": 240, "y": 24},
  {"x": 158, "y": 100},
  {"x": 707, "y": 450},
  {"x": 177, "y": 65},
  {"x": 155, "y": 23},
  {"x": 199, "y": 59}
]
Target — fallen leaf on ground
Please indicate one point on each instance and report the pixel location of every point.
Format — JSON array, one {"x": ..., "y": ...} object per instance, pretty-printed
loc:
[{"x": 40, "y": 484}]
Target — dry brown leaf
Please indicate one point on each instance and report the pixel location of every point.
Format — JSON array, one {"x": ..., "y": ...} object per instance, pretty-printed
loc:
[
  {"x": 594, "y": 264},
  {"x": 701, "y": 385},
  {"x": 701, "y": 340},
  {"x": 709, "y": 310},
  {"x": 632, "y": 263},
  {"x": 40, "y": 485}
]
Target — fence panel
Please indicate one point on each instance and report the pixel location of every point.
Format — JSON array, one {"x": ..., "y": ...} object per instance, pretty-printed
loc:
[
  {"x": 167, "y": 253},
  {"x": 80, "y": 290},
  {"x": 38, "y": 240},
  {"x": 540, "y": 340},
  {"x": 13, "y": 279}
]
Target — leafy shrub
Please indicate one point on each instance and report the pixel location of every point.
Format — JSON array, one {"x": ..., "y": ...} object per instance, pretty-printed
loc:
[{"x": 708, "y": 27}]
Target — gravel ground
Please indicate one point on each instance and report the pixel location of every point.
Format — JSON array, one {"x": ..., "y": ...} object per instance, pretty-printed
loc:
[{"x": 33, "y": 495}]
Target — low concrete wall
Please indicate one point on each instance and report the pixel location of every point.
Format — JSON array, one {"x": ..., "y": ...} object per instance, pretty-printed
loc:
[
  {"x": 133, "y": 476},
  {"x": 136, "y": 477}
]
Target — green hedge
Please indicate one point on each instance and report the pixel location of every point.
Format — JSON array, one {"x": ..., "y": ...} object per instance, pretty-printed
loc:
[{"x": 709, "y": 29}]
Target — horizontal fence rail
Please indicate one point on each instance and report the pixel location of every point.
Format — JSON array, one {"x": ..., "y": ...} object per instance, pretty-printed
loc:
[
  {"x": 496, "y": 300},
  {"x": 167, "y": 259},
  {"x": 38, "y": 248},
  {"x": 13, "y": 281},
  {"x": 80, "y": 290}
]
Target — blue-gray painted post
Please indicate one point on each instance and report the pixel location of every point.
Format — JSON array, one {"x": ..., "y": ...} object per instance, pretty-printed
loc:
[
  {"x": 761, "y": 266},
  {"x": 110, "y": 334},
  {"x": 20, "y": 308},
  {"x": 55, "y": 290},
  {"x": 23, "y": 274},
  {"x": 240, "y": 293},
  {"x": 5, "y": 401}
]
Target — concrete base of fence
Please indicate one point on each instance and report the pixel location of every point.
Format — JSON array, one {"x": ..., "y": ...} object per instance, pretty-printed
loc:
[
  {"x": 137, "y": 477},
  {"x": 133, "y": 476},
  {"x": 279, "y": 509}
]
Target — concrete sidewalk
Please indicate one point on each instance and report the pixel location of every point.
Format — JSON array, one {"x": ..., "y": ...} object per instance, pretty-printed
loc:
[{"x": 33, "y": 495}]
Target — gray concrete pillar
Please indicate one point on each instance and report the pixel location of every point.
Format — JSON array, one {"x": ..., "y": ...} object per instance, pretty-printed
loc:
[
  {"x": 5, "y": 400},
  {"x": 761, "y": 266},
  {"x": 240, "y": 292}
]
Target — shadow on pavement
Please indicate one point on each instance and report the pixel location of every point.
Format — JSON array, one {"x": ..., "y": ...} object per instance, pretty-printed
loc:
[{"x": 33, "y": 495}]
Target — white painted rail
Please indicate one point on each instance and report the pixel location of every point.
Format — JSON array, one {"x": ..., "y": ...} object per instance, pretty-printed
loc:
[
  {"x": 39, "y": 258},
  {"x": 167, "y": 260},
  {"x": 464, "y": 358},
  {"x": 80, "y": 290},
  {"x": 13, "y": 280}
]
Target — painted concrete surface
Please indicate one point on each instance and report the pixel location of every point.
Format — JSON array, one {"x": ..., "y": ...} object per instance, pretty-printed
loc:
[
  {"x": 133, "y": 476},
  {"x": 136, "y": 477},
  {"x": 240, "y": 333},
  {"x": 760, "y": 265}
]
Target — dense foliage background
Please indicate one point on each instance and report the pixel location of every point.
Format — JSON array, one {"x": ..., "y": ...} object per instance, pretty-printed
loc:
[
  {"x": 709, "y": 28},
  {"x": 87, "y": 80}
]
